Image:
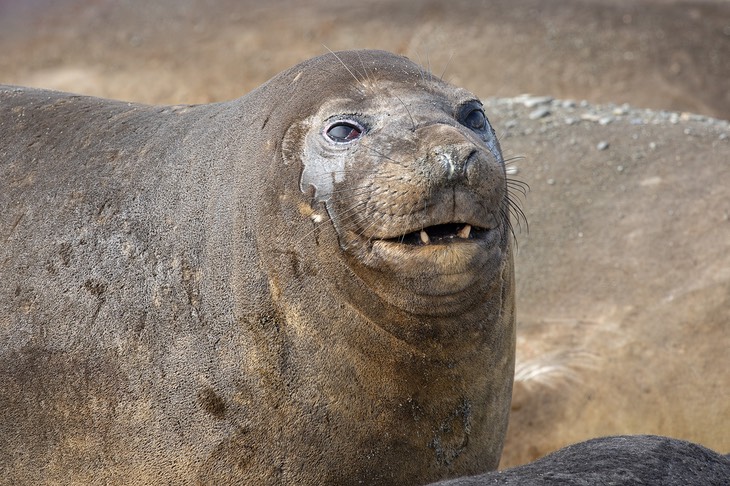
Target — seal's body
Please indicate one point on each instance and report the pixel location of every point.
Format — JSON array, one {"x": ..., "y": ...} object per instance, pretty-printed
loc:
[{"x": 311, "y": 284}]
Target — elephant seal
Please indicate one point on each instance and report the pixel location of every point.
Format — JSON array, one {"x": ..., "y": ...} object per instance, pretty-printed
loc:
[
  {"x": 647, "y": 460},
  {"x": 312, "y": 284}
]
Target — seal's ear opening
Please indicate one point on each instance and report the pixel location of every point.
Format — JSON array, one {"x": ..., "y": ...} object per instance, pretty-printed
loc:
[{"x": 292, "y": 141}]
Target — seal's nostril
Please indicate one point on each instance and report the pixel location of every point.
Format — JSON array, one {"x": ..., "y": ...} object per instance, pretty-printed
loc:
[
  {"x": 446, "y": 162},
  {"x": 454, "y": 161},
  {"x": 471, "y": 165}
]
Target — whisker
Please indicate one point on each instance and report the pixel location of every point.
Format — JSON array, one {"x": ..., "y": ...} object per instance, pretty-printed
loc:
[
  {"x": 428, "y": 66},
  {"x": 451, "y": 56},
  {"x": 504, "y": 214},
  {"x": 364, "y": 230},
  {"x": 420, "y": 66},
  {"x": 365, "y": 69},
  {"x": 519, "y": 186},
  {"x": 413, "y": 122},
  {"x": 514, "y": 159},
  {"x": 309, "y": 233},
  {"x": 345, "y": 66},
  {"x": 378, "y": 152},
  {"x": 519, "y": 215}
]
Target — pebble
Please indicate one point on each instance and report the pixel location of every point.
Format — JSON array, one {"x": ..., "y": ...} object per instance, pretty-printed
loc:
[
  {"x": 602, "y": 145},
  {"x": 533, "y": 101},
  {"x": 539, "y": 113},
  {"x": 590, "y": 117},
  {"x": 605, "y": 120}
]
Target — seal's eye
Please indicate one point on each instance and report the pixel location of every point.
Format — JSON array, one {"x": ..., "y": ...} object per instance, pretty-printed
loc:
[
  {"x": 344, "y": 131},
  {"x": 476, "y": 120}
]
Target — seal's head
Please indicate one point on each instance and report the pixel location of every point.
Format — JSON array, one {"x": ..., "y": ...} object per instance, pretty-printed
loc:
[
  {"x": 387, "y": 249},
  {"x": 411, "y": 175}
]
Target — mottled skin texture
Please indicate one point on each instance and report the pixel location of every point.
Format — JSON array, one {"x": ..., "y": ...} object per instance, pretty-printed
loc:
[
  {"x": 179, "y": 304},
  {"x": 642, "y": 460}
]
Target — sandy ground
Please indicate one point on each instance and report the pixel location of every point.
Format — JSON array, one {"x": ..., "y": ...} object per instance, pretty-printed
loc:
[{"x": 624, "y": 275}]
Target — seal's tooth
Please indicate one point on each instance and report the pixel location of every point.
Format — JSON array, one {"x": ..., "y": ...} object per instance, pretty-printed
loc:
[
  {"x": 424, "y": 237},
  {"x": 464, "y": 232}
]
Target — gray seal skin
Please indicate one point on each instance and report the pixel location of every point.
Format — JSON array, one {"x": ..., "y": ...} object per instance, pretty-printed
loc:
[
  {"x": 646, "y": 460},
  {"x": 311, "y": 284}
]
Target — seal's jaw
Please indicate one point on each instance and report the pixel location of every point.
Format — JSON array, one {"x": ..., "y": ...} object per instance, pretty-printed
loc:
[
  {"x": 435, "y": 251},
  {"x": 446, "y": 277},
  {"x": 441, "y": 234}
]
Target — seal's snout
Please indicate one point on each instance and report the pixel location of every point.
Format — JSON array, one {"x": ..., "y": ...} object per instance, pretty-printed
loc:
[
  {"x": 450, "y": 194},
  {"x": 452, "y": 158}
]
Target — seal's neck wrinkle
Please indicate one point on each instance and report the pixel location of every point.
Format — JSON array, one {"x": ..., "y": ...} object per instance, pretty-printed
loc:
[{"x": 424, "y": 373}]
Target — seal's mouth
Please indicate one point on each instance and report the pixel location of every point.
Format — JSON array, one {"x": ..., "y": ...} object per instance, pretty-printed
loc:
[{"x": 441, "y": 234}]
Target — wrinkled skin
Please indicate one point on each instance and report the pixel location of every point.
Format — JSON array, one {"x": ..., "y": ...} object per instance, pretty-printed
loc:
[{"x": 224, "y": 292}]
